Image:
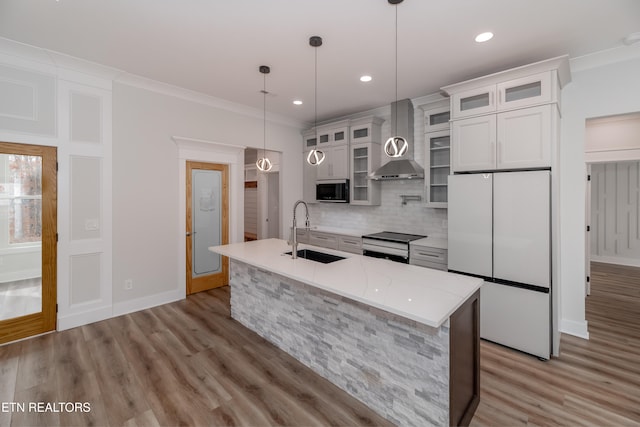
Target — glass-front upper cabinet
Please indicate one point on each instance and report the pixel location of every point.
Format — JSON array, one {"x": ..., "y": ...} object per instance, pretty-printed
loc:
[
  {"x": 310, "y": 139},
  {"x": 438, "y": 161},
  {"x": 525, "y": 91},
  {"x": 437, "y": 119},
  {"x": 365, "y": 158},
  {"x": 336, "y": 133},
  {"x": 366, "y": 129},
  {"x": 474, "y": 101}
]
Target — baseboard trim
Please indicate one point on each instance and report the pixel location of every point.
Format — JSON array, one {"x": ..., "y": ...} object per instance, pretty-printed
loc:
[
  {"x": 84, "y": 318},
  {"x": 577, "y": 329},
  {"x": 615, "y": 260},
  {"x": 96, "y": 315},
  {"x": 143, "y": 303}
]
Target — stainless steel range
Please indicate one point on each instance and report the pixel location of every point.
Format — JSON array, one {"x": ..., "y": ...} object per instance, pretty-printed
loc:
[{"x": 388, "y": 245}]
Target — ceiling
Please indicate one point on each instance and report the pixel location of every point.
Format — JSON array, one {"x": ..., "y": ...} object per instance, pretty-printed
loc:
[{"x": 215, "y": 47}]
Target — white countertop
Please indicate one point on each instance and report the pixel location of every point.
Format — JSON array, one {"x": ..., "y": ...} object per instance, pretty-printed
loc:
[
  {"x": 422, "y": 294},
  {"x": 431, "y": 242}
]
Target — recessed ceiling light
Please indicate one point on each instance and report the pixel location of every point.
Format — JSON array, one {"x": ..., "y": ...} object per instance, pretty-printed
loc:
[
  {"x": 483, "y": 37},
  {"x": 365, "y": 78},
  {"x": 297, "y": 102}
]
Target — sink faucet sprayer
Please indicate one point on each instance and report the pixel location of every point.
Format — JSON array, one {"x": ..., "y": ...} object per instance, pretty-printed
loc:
[{"x": 294, "y": 240}]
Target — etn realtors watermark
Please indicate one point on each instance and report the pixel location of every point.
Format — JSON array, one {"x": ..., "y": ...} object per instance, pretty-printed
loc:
[{"x": 43, "y": 407}]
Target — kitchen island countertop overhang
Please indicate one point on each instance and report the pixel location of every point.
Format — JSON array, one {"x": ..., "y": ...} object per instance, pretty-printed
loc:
[{"x": 421, "y": 294}]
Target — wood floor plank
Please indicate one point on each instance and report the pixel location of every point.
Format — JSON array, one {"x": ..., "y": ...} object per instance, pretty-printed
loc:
[{"x": 189, "y": 363}]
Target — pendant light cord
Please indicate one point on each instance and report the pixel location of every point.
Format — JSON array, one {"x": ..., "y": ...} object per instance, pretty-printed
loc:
[
  {"x": 395, "y": 130},
  {"x": 264, "y": 108},
  {"x": 315, "y": 93}
]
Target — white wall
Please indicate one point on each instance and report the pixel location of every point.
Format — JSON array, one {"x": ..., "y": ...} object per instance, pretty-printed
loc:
[
  {"x": 146, "y": 180},
  {"x": 615, "y": 213},
  {"x": 596, "y": 90},
  {"x": 141, "y": 191}
]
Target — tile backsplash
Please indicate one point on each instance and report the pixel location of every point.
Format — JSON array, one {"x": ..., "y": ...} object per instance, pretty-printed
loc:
[{"x": 412, "y": 217}]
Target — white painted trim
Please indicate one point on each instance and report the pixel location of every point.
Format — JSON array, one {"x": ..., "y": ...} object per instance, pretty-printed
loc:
[
  {"x": 577, "y": 329},
  {"x": 84, "y": 318},
  {"x": 131, "y": 306},
  {"x": 616, "y": 260},
  {"x": 604, "y": 57},
  {"x": 611, "y": 156}
]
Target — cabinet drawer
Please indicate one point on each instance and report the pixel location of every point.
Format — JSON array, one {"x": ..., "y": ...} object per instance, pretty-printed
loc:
[
  {"x": 302, "y": 235},
  {"x": 350, "y": 244},
  {"x": 427, "y": 264},
  {"x": 324, "y": 240},
  {"x": 427, "y": 254}
]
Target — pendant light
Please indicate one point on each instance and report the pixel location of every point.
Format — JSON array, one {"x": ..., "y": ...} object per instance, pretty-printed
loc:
[
  {"x": 396, "y": 146},
  {"x": 315, "y": 156},
  {"x": 263, "y": 163}
]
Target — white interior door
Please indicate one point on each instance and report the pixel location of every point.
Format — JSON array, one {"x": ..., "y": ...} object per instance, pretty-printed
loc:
[
  {"x": 521, "y": 228},
  {"x": 470, "y": 224}
]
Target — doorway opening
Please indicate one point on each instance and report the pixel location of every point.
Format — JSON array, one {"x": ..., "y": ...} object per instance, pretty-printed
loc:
[
  {"x": 261, "y": 198},
  {"x": 612, "y": 152}
]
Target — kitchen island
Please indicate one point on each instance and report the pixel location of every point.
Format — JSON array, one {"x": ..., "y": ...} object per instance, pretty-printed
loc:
[{"x": 402, "y": 339}]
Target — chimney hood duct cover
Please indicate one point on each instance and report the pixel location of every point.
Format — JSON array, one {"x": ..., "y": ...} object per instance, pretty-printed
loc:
[{"x": 404, "y": 168}]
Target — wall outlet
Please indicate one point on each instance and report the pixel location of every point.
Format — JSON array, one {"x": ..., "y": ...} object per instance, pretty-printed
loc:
[{"x": 128, "y": 284}]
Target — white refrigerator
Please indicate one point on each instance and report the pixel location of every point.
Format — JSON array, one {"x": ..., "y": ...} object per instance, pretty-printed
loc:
[{"x": 500, "y": 230}]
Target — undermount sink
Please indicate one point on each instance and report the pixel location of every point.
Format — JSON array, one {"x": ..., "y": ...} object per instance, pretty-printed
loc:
[{"x": 316, "y": 256}]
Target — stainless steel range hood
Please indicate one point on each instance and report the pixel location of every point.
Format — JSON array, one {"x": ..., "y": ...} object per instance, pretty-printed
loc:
[{"x": 402, "y": 125}]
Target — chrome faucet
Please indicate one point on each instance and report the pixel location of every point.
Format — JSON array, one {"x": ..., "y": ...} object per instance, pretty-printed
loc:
[{"x": 294, "y": 239}]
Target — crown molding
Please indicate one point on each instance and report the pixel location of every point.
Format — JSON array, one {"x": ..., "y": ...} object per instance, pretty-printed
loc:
[{"x": 605, "y": 57}]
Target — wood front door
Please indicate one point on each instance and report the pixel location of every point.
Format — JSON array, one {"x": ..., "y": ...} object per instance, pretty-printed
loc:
[
  {"x": 28, "y": 218},
  {"x": 207, "y": 225}
]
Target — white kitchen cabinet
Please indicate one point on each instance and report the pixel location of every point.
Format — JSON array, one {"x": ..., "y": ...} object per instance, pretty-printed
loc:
[
  {"x": 336, "y": 133},
  {"x": 366, "y": 129},
  {"x": 310, "y": 140},
  {"x": 336, "y": 163},
  {"x": 514, "y": 139},
  {"x": 365, "y": 158},
  {"x": 473, "y": 102},
  {"x": 351, "y": 244},
  {"x": 343, "y": 242},
  {"x": 473, "y": 144},
  {"x": 325, "y": 240},
  {"x": 425, "y": 256},
  {"x": 438, "y": 161},
  {"x": 525, "y": 137},
  {"x": 526, "y": 91},
  {"x": 437, "y": 116}
]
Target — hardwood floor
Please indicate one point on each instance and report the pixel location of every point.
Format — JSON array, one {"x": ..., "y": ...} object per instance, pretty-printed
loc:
[
  {"x": 594, "y": 382},
  {"x": 188, "y": 363}
]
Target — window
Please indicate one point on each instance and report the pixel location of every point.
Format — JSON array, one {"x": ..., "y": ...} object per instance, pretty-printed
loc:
[{"x": 23, "y": 189}]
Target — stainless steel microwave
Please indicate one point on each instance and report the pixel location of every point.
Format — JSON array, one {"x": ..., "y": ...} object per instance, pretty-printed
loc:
[{"x": 332, "y": 190}]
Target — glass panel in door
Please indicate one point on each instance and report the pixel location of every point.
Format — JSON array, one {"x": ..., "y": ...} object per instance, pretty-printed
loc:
[
  {"x": 207, "y": 225},
  {"x": 20, "y": 235},
  {"x": 27, "y": 240},
  {"x": 207, "y": 221}
]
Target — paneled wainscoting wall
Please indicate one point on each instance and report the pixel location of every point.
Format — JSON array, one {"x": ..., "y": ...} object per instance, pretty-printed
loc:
[{"x": 615, "y": 213}]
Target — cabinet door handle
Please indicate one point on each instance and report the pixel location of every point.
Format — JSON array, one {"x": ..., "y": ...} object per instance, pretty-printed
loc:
[{"x": 429, "y": 255}]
